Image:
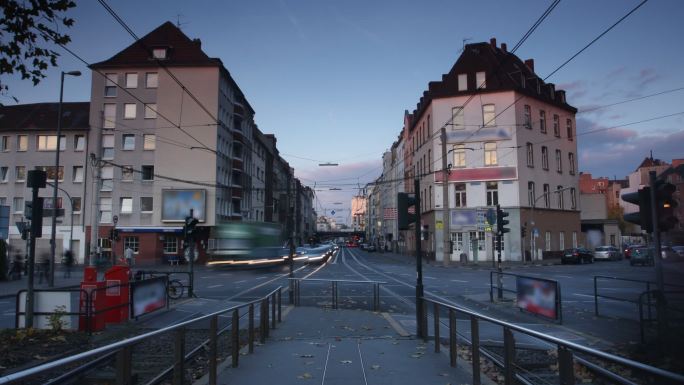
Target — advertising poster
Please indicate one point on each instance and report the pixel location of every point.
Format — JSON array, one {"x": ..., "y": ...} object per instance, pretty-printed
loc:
[
  {"x": 176, "y": 204},
  {"x": 537, "y": 296},
  {"x": 148, "y": 295}
]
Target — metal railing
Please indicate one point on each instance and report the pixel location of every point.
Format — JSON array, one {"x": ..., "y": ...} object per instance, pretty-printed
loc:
[
  {"x": 635, "y": 300},
  {"x": 335, "y": 291},
  {"x": 122, "y": 351},
  {"x": 673, "y": 314},
  {"x": 567, "y": 351},
  {"x": 185, "y": 283},
  {"x": 502, "y": 289}
]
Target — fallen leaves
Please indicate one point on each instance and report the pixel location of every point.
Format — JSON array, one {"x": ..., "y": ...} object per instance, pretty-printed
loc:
[
  {"x": 305, "y": 376},
  {"x": 346, "y": 362}
]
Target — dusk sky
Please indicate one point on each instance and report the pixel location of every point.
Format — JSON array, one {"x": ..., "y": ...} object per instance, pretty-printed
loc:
[{"x": 331, "y": 79}]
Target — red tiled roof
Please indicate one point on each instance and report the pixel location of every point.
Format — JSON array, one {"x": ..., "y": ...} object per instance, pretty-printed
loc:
[{"x": 43, "y": 117}]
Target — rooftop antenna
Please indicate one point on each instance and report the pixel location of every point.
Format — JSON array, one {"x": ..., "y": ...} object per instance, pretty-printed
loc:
[
  {"x": 464, "y": 42},
  {"x": 651, "y": 154},
  {"x": 178, "y": 21}
]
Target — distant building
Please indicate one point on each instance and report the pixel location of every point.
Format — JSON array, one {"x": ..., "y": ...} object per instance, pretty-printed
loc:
[
  {"x": 589, "y": 185},
  {"x": 358, "y": 213}
]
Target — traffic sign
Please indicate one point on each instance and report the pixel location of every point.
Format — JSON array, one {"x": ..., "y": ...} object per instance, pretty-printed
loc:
[
  {"x": 535, "y": 232},
  {"x": 115, "y": 219},
  {"x": 332, "y": 212}
]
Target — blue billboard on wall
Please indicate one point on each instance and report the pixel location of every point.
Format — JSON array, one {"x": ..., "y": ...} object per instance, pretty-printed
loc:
[{"x": 176, "y": 205}]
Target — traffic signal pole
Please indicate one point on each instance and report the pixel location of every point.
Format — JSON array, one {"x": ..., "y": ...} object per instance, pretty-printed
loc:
[
  {"x": 419, "y": 263},
  {"x": 657, "y": 259},
  {"x": 31, "y": 266},
  {"x": 446, "y": 255}
]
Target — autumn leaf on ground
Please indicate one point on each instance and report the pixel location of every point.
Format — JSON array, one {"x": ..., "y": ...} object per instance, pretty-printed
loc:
[
  {"x": 305, "y": 376},
  {"x": 346, "y": 361},
  {"x": 375, "y": 367}
]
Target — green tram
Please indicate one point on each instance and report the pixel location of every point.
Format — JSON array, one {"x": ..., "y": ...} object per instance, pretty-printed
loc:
[{"x": 246, "y": 244}]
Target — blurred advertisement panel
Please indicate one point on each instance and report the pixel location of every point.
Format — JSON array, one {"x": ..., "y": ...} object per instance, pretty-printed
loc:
[
  {"x": 538, "y": 296},
  {"x": 148, "y": 295},
  {"x": 176, "y": 204}
]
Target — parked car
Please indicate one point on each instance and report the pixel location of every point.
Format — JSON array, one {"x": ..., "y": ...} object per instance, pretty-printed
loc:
[
  {"x": 679, "y": 250},
  {"x": 607, "y": 253},
  {"x": 628, "y": 250},
  {"x": 577, "y": 255},
  {"x": 370, "y": 248},
  {"x": 641, "y": 256}
]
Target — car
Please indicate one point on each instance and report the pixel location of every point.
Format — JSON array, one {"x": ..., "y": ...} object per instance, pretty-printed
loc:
[
  {"x": 577, "y": 255},
  {"x": 641, "y": 256},
  {"x": 607, "y": 253},
  {"x": 679, "y": 250},
  {"x": 370, "y": 248}
]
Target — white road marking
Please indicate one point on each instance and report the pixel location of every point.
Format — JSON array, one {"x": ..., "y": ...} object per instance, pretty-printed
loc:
[
  {"x": 207, "y": 277},
  {"x": 240, "y": 281},
  {"x": 213, "y": 286},
  {"x": 583, "y": 295},
  {"x": 261, "y": 277},
  {"x": 564, "y": 276},
  {"x": 429, "y": 277},
  {"x": 458, "y": 280}
]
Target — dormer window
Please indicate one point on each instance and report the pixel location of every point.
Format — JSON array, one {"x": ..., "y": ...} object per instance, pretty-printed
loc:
[
  {"x": 159, "y": 53},
  {"x": 480, "y": 80}
]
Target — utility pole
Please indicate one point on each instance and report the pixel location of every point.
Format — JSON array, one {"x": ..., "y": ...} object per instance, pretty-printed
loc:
[
  {"x": 419, "y": 262},
  {"x": 446, "y": 255},
  {"x": 95, "y": 227},
  {"x": 293, "y": 250}
]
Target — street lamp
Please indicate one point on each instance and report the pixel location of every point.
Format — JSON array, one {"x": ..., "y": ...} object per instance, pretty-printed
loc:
[
  {"x": 533, "y": 242},
  {"x": 328, "y": 164},
  {"x": 53, "y": 236}
]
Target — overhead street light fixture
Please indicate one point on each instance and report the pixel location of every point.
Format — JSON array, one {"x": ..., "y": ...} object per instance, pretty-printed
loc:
[
  {"x": 335, "y": 189},
  {"x": 328, "y": 164}
]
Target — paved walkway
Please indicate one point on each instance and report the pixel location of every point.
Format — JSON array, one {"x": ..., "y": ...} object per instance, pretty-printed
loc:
[{"x": 314, "y": 345}]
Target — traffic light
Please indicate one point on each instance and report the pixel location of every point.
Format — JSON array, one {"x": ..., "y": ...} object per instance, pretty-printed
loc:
[
  {"x": 425, "y": 232},
  {"x": 643, "y": 217},
  {"x": 500, "y": 221},
  {"x": 665, "y": 205},
  {"x": 404, "y": 217},
  {"x": 113, "y": 234},
  {"x": 33, "y": 210},
  {"x": 189, "y": 228},
  {"x": 523, "y": 231}
]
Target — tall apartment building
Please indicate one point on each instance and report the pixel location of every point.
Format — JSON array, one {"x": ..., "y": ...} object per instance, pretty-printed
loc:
[
  {"x": 358, "y": 212},
  {"x": 28, "y": 140},
  {"x": 510, "y": 141}
]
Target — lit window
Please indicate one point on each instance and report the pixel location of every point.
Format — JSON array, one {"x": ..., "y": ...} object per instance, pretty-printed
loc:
[
  {"x": 490, "y": 154},
  {"x": 51, "y": 172},
  {"x": 460, "y": 194},
  {"x": 126, "y": 205},
  {"x": 457, "y": 118},
  {"x": 109, "y": 116},
  {"x": 76, "y": 204},
  {"x": 108, "y": 146},
  {"x": 459, "y": 155},
  {"x": 77, "y": 176},
  {"x": 131, "y": 80},
  {"x": 527, "y": 119},
  {"x": 110, "y": 85},
  {"x": 128, "y": 142},
  {"x": 488, "y": 115},
  {"x": 127, "y": 173},
  {"x": 480, "y": 80},
  {"x": 129, "y": 111},
  {"x": 146, "y": 204},
  {"x": 49, "y": 142},
  {"x": 542, "y": 121},
  {"x": 150, "y": 110},
  {"x": 20, "y": 173},
  {"x": 79, "y": 143},
  {"x": 462, "y": 82},
  {"x": 149, "y": 142},
  {"x": 22, "y": 142},
  {"x": 530, "y": 155},
  {"x": 492, "y": 193},
  {"x": 159, "y": 53},
  {"x": 151, "y": 80}
]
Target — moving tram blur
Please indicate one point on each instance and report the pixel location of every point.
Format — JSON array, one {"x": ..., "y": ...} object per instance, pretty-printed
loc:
[{"x": 245, "y": 244}]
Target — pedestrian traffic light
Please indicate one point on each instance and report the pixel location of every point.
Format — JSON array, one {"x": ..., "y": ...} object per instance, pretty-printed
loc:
[
  {"x": 643, "y": 217},
  {"x": 523, "y": 231},
  {"x": 500, "y": 221},
  {"x": 665, "y": 205},
  {"x": 189, "y": 228},
  {"x": 404, "y": 217}
]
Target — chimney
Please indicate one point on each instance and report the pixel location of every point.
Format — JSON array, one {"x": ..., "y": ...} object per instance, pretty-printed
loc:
[
  {"x": 530, "y": 64},
  {"x": 198, "y": 43},
  {"x": 504, "y": 47},
  {"x": 492, "y": 41}
]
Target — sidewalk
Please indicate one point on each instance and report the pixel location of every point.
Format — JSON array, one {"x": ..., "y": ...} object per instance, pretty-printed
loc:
[
  {"x": 411, "y": 259},
  {"x": 343, "y": 347},
  {"x": 10, "y": 288}
]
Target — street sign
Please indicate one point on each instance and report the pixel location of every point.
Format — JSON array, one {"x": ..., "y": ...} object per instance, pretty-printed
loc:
[
  {"x": 332, "y": 212},
  {"x": 439, "y": 225},
  {"x": 115, "y": 219},
  {"x": 535, "y": 232}
]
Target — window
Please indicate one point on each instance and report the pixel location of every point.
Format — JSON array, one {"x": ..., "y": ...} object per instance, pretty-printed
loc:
[
  {"x": 20, "y": 173},
  {"x": 527, "y": 119},
  {"x": 460, "y": 194},
  {"x": 547, "y": 195},
  {"x": 170, "y": 245},
  {"x": 49, "y": 143},
  {"x": 556, "y": 126},
  {"x": 147, "y": 172},
  {"x": 126, "y": 205},
  {"x": 108, "y": 146},
  {"x": 574, "y": 239},
  {"x": 459, "y": 155},
  {"x": 109, "y": 116},
  {"x": 571, "y": 163},
  {"x": 132, "y": 80},
  {"x": 5, "y": 143},
  {"x": 18, "y": 204},
  {"x": 76, "y": 204},
  {"x": 146, "y": 204},
  {"x": 462, "y": 82},
  {"x": 545, "y": 158},
  {"x": 561, "y": 240},
  {"x": 488, "y": 115},
  {"x": 132, "y": 243},
  {"x": 569, "y": 126},
  {"x": 105, "y": 210},
  {"x": 559, "y": 162},
  {"x": 159, "y": 53},
  {"x": 560, "y": 197},
  {"x": 47, "y": 203},
  {"x": 492, "y": 193},
  {"x": 77, "y": 174},
  {"x": 107, "y": 176},
  {"x": 110, "y": 85},
  {"x": 52, "y": 172},
  {"x": 4, "y": 174},
  {"x": 547, "y": 241},
  {"x": 490, "y": 154},
  {"x": 150, "y": 110},
  {"x": 127, "y": 173},
  {"x": 542, "y": 121},
  {"x": 129, "y": 110},
  {"x": 128, "y": 142},
  {"x": 79, "y": 143},
  {"x": 3, "y": 201},
  {"x": 480, "y": 80},
  {"x": 149, "y": 142},
  {"x": 151, "y": 80},
  {"x": 22, "y": 142},
  {"x": 573, "y": 198},
  {"x": 530, "y": 155},
  {"x": 457, "y": 118},
  {"x": 531, "y": 194}
]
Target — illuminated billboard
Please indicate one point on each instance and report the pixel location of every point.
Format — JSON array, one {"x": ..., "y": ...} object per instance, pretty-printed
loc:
[{"x": 176, "y": 205}]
